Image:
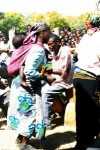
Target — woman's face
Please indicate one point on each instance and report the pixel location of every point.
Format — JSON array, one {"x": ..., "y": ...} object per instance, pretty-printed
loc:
[{"x": 46, "y": 35}]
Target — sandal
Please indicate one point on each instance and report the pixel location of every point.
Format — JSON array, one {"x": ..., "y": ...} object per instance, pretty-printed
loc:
[{"x": 22, "y": 139}]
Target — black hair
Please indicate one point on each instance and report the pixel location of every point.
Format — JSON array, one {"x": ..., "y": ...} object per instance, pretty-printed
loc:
[
  {"x": 18, "y": 40},
  {"x": 55, "y": 38}
]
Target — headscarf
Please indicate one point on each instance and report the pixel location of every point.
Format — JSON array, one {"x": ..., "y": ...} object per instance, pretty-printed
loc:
[
  {"x": 19, "y": 55},
  {"x": 38, "y": 27}
]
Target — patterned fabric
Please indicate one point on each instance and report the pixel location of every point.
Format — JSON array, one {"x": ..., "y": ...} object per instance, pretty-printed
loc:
[
  {"x": 25, "y": 109},
  {"x": 82, "y": 74},
  {"x": 25, "y": 102},
  {"x": 23, "y": 116}
]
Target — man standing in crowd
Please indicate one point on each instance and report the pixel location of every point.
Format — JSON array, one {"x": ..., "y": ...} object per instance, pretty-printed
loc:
[{"x": 87, "y": 85}]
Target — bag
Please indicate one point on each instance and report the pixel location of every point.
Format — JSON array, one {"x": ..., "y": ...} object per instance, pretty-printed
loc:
[{"x": 18, "y": 58}]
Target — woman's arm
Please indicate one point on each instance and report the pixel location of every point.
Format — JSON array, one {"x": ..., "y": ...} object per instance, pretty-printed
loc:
[{"x": 33, "y": 62}]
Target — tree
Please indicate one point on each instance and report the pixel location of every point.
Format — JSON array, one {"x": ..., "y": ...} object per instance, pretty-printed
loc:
[
  {"x": 1, "y": 15},
  {"x": 78, "y": 21},
  {"x": 56, "y": 20},
  {"x": 12, "y": 20}
]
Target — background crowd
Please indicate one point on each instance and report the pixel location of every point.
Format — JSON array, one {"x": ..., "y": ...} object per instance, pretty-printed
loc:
[{"x": 66, "y": 39}]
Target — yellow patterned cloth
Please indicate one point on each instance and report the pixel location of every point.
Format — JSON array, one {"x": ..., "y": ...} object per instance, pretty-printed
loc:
[{"x": 82, "y": 74}]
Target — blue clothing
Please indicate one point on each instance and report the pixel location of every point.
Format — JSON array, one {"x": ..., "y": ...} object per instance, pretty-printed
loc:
[
  {"x": 35, "y": 59},
  {"x": 48, "y": 96},
  {"x": 25, "y": 109}
]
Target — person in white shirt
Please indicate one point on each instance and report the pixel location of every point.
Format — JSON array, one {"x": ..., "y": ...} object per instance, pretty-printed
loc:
[{"x": 87, "y": 85}]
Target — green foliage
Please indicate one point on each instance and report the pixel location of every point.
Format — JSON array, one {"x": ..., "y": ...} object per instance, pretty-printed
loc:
[
  {"x": 54, "y": 19},
  {"x": 1, "y": 15},
  {"x": 78, "y": 22},
  {"x": 12, "y": 20}
]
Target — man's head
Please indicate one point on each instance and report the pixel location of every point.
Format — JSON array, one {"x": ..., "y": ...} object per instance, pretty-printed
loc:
[
  {"x": 94, "y": 22},
  {"x": 88, "y": 25},
  {"x": 63, "y": 42},
  {"x": 62, "y": 33},
  {"x": 54, "y": 43}
]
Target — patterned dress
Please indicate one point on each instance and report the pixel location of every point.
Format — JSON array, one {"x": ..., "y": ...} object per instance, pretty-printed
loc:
[{"x": 25, "y": 108}]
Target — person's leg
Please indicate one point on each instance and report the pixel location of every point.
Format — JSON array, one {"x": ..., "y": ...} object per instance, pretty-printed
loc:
[
  {"x": 48, "y": 94},
  {"x": 24, "y": 118},
  {"x": 86, "y": 110}
]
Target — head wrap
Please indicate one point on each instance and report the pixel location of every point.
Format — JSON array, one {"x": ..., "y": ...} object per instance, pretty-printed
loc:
[
  {"x": 95, "y": 21},
  {"x": 38, "y": 27}
]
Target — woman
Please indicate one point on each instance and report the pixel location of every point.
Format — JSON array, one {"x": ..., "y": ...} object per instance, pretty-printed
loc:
[{"x": 22, "y": 113}]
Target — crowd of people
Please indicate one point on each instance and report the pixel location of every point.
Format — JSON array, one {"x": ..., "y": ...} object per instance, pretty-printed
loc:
[
  {"x": 71, "y": 38},
  {"x": 52, "y": 64}
]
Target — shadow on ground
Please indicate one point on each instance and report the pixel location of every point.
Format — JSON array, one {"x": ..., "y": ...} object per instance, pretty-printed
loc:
[{"x": 53, "y": 141}]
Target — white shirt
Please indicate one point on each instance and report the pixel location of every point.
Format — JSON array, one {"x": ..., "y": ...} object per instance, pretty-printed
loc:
[
  {"x": 63, "y": 60},
  {"x": 88, "y": 52}
]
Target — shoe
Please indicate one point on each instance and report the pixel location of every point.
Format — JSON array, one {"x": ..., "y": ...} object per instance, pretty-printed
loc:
[{"x": 22, "y": 139}]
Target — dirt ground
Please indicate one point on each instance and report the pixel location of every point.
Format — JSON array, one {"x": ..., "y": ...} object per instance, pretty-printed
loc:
[
  {"x": 57, "y": 139},
  {"x": 62, "y": 137}
]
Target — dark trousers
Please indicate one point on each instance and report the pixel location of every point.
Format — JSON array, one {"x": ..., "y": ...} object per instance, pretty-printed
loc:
[{"x": 87, "y": 109}]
